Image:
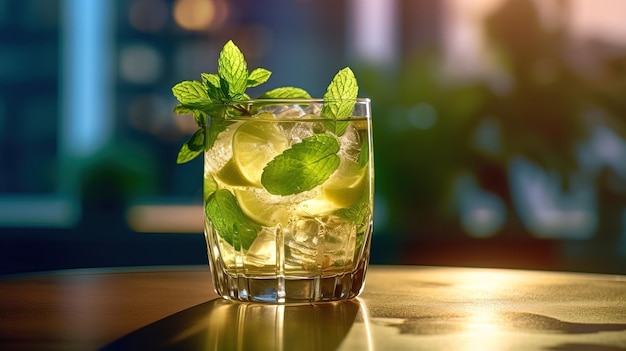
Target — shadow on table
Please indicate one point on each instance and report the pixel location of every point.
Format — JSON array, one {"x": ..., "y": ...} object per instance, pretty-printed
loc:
[{"x": 224, "y": 325}]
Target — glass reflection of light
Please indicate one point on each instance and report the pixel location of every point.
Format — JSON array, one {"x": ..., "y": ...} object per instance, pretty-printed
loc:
[
  {"x": 481, "y": 321},
  {"x": 480, "y": 284},
  {"x": 280, "y": 327},
  {"x": 244, "y": 326},
  {"x": 481, "y": 328},
  {"x": 366, "y": 323}
]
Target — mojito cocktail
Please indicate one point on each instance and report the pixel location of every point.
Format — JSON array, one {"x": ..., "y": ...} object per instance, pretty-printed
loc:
[{"x": 288, "y": 183}]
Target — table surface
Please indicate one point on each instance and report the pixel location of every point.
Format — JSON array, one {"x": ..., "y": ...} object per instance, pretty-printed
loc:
[{"x": 401, "y": 308}]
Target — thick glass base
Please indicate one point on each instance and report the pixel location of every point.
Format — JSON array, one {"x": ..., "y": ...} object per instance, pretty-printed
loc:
[
  {"x": 287, "y": 285},
  {"x": 290, "y": 290}
]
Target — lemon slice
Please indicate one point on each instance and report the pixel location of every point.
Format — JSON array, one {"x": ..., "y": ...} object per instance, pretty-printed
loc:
[
  {"x": 347, "y": 186},
  {"x": 256, "y": 143},
  {"x": 264, "y": 213}
]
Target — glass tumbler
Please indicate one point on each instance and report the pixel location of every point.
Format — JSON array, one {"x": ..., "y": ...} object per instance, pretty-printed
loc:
[{"x": 288, "y": 199}]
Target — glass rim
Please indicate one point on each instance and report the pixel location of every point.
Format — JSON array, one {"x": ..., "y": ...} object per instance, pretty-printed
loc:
[
  {"x": 297, "y": 101},
  {"x": 363, "y": 105}
]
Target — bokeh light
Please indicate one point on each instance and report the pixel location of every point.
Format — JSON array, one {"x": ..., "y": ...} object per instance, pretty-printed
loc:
[
  {"x": 140, "y": 64},
  {"x": 200, "y": 15}
]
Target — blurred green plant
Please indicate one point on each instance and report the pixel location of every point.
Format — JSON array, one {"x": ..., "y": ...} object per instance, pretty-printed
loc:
[{"x": 540, "y": 116}]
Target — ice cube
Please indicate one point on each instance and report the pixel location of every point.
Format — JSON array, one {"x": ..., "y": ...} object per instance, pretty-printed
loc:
[
  {"x": 301, "y": 242},
  {"x": 262, "y": 252},
  {"x": 283, "y": 111},
  {"x": 217, "y": 156},
  {"x": 296, "y": 131},
  {"x": 339, "y": 243},
  {"x": 338, "y": 234},
  {"x": 289, "y": 128},
  {"x": 265, "y": 197},
  {"x": 323, "y": 241},
  {"x": 313, "y": 109},
  {"x": 350, "y": 144}
]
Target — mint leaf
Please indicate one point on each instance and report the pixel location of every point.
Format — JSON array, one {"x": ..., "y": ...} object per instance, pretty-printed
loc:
[
  {"x": 229, "y": 220},
  {"x": 337, "y": 127},
  {"x": 286, "y": 93},
  {"x": 210, "y": 79},
  {"x": 225, "y": 89},
  {"x": 364, "y": 155},
  {"x": 359, "y": 214},
  {"x": 185, "y": 155},
  {"x": 341, "y": 95},
  {"x": 210, "y": 186},
  {"x": 339, "y": 101},
  {"x": 202, "y": 139},
  {"x": 212, "y": 84},
  {"x": 302, "y": 167},
  {"x": 196, "y": 142},
  {"x": 198, "y": 115},
  {"x": 233, "y": 69},
  {"x": 192, "y": 148},
  {"x": 258, "y": 77},
  {"x": 181, "y": 109},
  {"x": 191, "y": 94}
]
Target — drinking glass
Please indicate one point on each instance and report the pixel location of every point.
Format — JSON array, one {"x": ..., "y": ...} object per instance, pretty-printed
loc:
[{"x": 288, "y": 199}]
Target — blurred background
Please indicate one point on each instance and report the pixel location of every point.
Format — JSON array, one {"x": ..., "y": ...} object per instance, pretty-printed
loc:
[{"x": 499, "y": 125}]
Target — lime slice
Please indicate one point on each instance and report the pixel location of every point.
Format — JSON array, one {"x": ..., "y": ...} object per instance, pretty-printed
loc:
[
  {"x": 318, "y": 206},
  {"x": 230, "y": 175},
  {"x": 255, "y": 143},
  {"x": 347, "y": 186},
  {"x": 264, "y": 213}
]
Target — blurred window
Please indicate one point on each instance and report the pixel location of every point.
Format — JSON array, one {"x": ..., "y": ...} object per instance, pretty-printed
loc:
[{"x": 33, "y": 191}]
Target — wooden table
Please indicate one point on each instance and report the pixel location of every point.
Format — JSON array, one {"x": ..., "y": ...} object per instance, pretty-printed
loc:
[{"x": 402, "y": 308}]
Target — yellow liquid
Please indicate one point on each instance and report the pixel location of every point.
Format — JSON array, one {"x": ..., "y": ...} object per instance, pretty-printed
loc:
[{"x": 322, "y": 233}]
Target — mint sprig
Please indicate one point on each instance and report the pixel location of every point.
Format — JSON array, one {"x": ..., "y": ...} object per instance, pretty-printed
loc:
[{"x": 218, "y": 94}]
